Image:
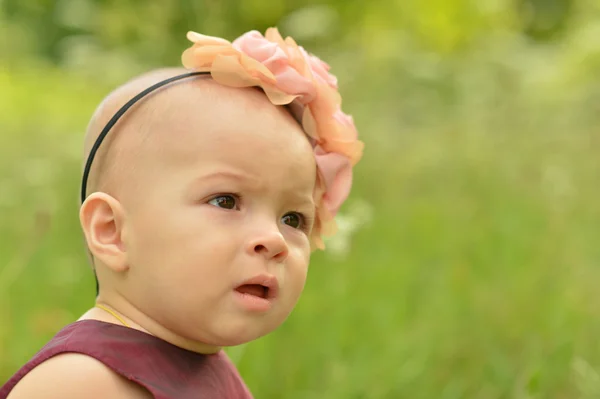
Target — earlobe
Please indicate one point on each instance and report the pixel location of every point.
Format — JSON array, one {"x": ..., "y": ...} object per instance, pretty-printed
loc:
[{"x": 102, "y": 220}]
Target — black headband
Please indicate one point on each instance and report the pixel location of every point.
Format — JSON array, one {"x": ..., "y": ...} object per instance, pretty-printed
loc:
[
  {"x": 117, "y": 116},
  {"x": 112, "y": 122}
]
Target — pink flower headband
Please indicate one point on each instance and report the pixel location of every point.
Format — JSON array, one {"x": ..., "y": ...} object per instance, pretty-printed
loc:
[{"x": 290, "y": 76}]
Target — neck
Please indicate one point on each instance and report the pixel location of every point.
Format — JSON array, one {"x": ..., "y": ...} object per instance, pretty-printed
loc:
[{"x": 125, "y": 313}]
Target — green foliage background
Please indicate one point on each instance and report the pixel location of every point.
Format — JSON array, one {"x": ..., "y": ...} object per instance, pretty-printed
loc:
[{"x": 473, "y": 272}]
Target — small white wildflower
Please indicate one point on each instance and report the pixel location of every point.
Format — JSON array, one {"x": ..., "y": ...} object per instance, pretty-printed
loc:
[{"x": 359, "y": 214}]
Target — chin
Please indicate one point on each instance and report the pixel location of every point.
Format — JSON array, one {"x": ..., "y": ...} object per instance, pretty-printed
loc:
[{"x": 242, "y": 332}]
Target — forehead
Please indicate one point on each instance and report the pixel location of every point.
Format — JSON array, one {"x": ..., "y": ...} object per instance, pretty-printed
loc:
[{"x": 206, "y": 125}]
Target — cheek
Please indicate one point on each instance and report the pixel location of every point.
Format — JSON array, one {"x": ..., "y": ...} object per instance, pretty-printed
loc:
[
  {"x": 184, "y": 240},
  {"x": 295, "y": 274},
  {"x": 183, "y": 256}
]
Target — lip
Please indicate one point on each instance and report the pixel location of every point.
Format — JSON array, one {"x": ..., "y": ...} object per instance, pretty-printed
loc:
[{"x": 255, "y": 303}]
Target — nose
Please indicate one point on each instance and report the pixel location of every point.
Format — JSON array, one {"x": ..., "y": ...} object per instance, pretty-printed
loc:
[{"x": 269, "y": 244}]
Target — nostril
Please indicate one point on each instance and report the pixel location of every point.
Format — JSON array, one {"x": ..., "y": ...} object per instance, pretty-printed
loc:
[
  {"x": 274, "y": 250},
  {"x": 260, "y": 248},
  {"x": 281, "y": 255}
]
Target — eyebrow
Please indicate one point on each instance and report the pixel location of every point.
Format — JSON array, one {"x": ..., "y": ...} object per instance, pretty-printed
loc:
[
  {"x": 227, "y": 174},
  {"x": 298, "y": 199},
  {"x": 255, "y": 181},
  {"x": 306, "y": 205}
]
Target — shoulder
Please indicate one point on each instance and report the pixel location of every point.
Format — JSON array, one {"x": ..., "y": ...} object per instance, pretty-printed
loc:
[{"x": 73, "y": 375}]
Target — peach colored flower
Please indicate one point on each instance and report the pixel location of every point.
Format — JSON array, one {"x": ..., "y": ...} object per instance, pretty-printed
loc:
[
  {"x": 321, "y": 70},
  {"x": 289, "y": 75}
]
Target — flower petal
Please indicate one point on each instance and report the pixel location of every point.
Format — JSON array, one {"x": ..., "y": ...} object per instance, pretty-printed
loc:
[
  {"x": 201, "y": 39},
  {"x": 203, "y": 56},
  {"x": 227, "y": 70},
  {"x": 336, "y": 170}
]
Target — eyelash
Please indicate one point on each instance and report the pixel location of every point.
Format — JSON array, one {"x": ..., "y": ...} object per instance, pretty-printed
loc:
[
  {"x": 237, "y": 199},
  {"x": 305, "y": 221}
]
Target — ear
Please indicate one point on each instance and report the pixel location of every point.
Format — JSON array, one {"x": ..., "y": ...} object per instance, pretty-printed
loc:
[{"x": 102, "y": 220}]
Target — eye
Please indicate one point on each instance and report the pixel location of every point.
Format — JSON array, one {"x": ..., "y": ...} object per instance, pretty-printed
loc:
[
  {"x": 294, "y": 219},
  {"x": 225, "y": 202}
]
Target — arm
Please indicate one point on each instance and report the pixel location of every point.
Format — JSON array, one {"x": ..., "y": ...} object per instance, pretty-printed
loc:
[{"x": 75, "y": 376}]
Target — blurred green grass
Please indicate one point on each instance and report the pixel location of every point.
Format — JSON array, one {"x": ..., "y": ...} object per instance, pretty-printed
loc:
[{"x": 475, "y": 276}]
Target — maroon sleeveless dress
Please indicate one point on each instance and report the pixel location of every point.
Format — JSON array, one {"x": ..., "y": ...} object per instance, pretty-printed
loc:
[{"x": 165, "y": 370}]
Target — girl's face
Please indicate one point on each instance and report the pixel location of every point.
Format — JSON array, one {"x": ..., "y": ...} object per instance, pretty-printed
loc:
[{"x": 217, "y": 230}]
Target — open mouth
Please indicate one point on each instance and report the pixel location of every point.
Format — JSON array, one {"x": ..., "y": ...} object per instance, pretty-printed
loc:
[
  {"x": 258, "y": 294},
  {"x": 257, "y": 290}
]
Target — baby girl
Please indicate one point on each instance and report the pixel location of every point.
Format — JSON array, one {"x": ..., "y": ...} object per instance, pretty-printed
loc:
[{"x": 204, "y": 192}]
